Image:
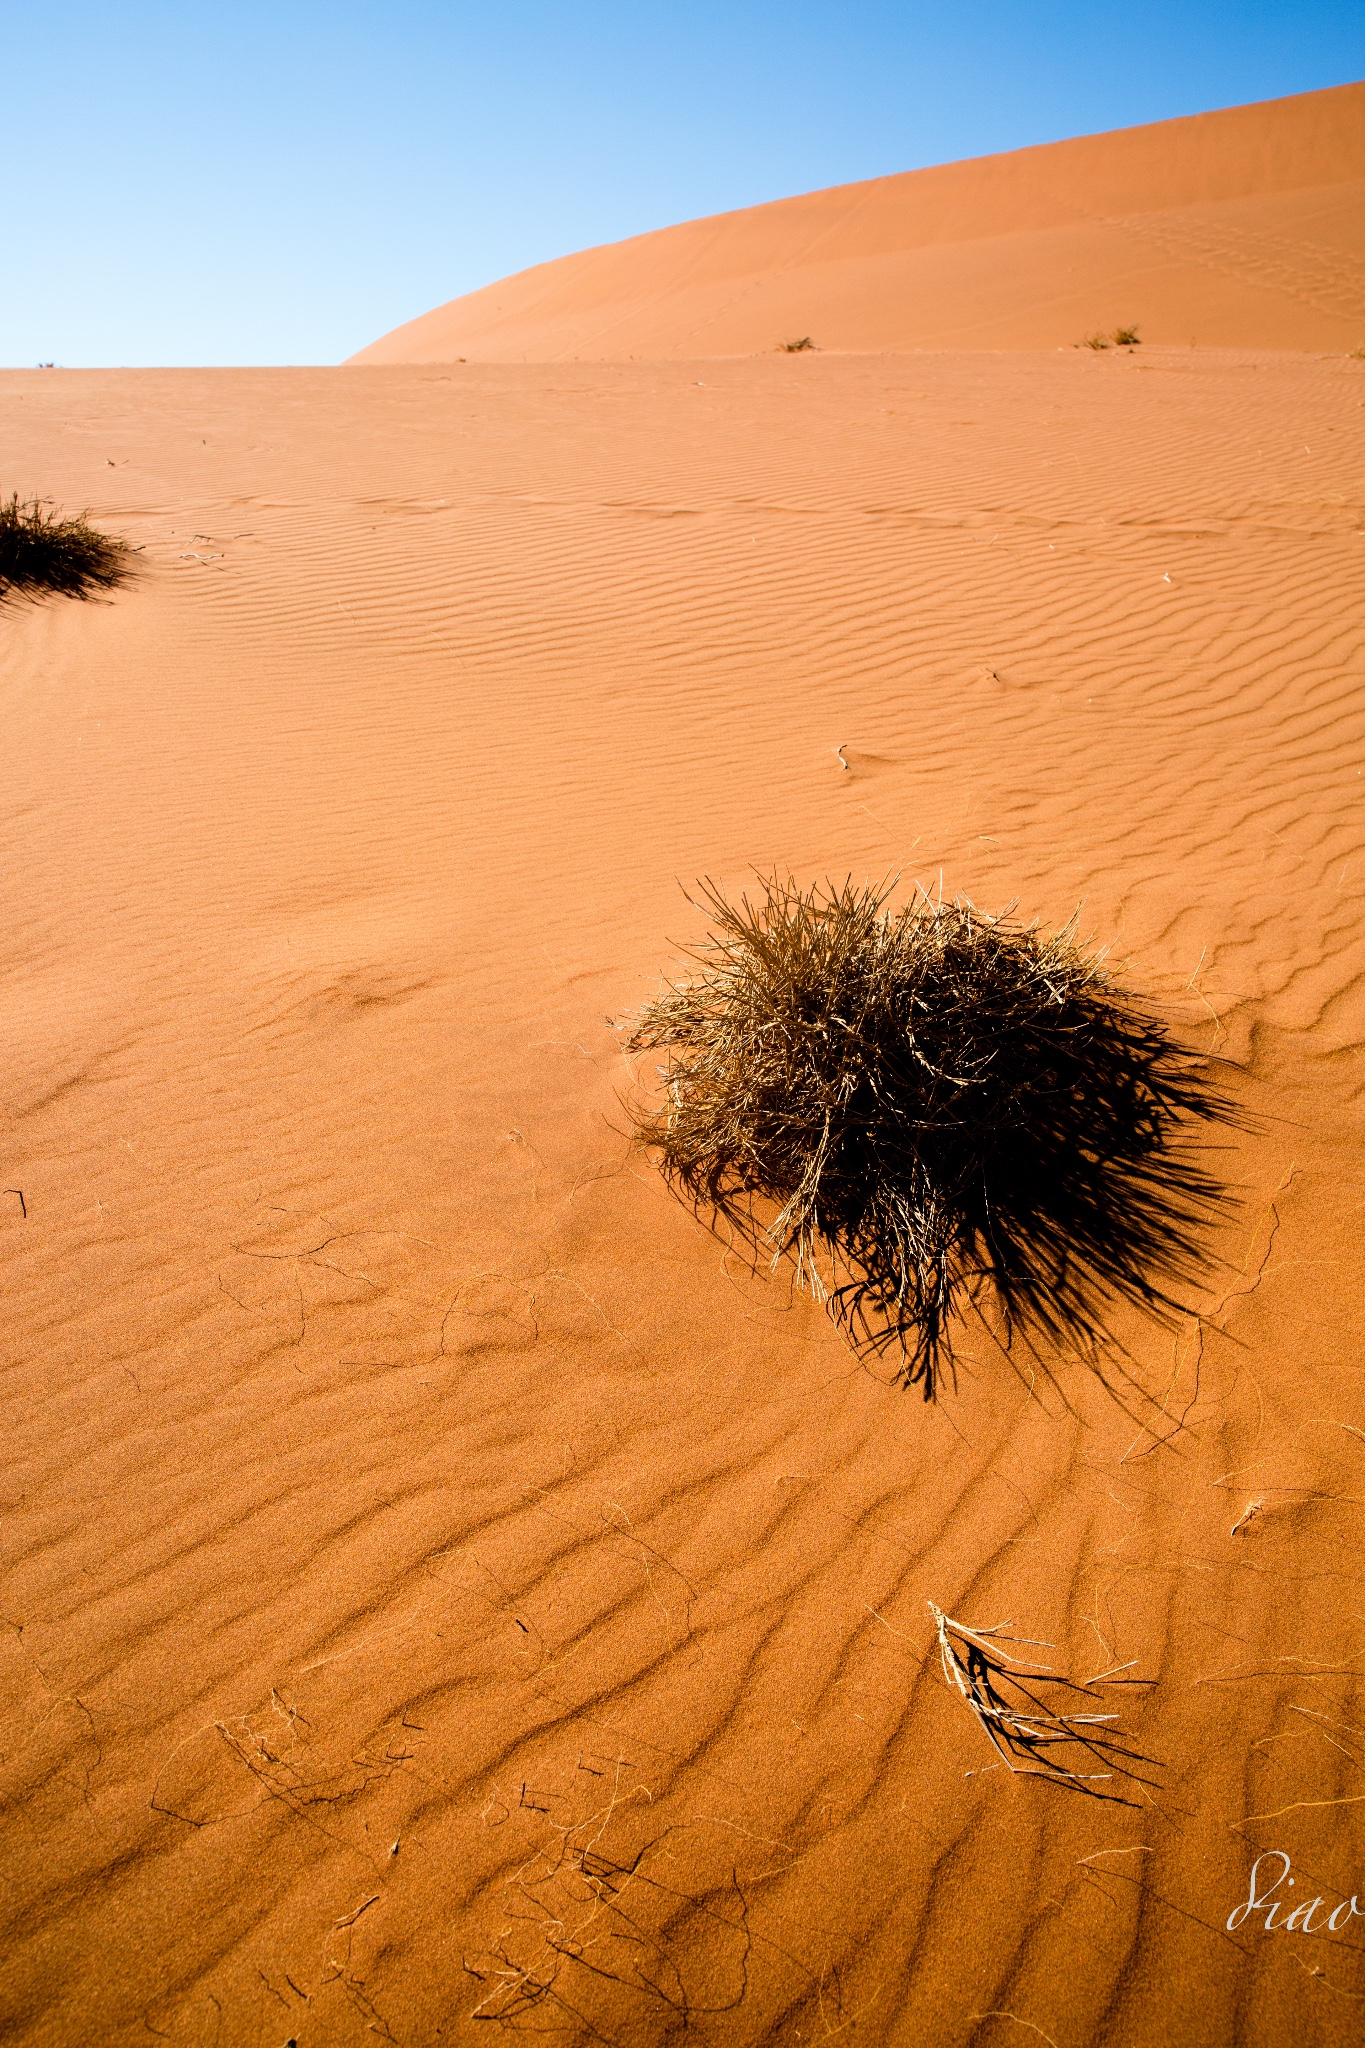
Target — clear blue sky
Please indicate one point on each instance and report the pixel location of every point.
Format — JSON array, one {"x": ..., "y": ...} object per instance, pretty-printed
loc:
[{"x": 282, "y": 183}]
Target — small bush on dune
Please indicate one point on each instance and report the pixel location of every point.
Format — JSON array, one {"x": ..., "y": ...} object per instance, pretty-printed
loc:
[
  {"x": 41, "y": 551},
  {"x": 930, "y": 1111},
  {"x": 1121, "y": 337},
  {"x": 796, "y": 348}
]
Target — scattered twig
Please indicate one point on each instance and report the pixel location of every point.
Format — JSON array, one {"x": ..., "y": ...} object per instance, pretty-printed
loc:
[
  {"x": 1000, "y": 1690},
  {"x": 1249, "y": 1512}
]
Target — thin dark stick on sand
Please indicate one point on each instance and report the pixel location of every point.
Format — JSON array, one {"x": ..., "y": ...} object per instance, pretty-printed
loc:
[{"x": 1025, "y": 1730}]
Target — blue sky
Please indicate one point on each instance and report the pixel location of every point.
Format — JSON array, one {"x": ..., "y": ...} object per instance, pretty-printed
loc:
[{"x": 282, "y": 183}]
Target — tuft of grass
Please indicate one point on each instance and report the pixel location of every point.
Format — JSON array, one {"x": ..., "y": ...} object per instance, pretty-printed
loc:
[
  {"x": 1120, "y": 337},
  {"x": 931, "y": 1112},
  {"x": 40, "y": 551},
  {"x": 1034, "y": 1738},
  {"x": 794, "y": 348}
]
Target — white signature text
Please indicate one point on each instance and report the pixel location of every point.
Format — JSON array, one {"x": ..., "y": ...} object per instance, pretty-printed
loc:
[{"x": 1300, "y": 1918}]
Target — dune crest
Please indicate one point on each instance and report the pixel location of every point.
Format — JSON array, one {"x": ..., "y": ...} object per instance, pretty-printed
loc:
[{"x": 1243, "y": 228}]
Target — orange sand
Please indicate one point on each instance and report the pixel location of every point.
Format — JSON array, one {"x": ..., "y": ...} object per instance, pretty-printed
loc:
[
  {"x": 442, "y": 1597},
  {"x": 1239, "y": 229},
  {"x": 389, "y": 1461}
]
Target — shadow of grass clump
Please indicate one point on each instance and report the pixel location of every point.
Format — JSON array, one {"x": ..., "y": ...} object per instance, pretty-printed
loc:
[
  {"x": 931, "y": 1111},
  {"x": 40, "y": 551}
]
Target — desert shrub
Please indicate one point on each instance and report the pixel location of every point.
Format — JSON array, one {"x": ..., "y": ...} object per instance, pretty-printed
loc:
[
  {"x": 931, "y": 1111},
  {"x": 1121, "y": 337},
  {"x": 41, "y": 551},
  {"x": 794, "y": 348}
]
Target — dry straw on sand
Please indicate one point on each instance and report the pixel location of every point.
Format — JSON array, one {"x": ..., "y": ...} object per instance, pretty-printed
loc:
[
  {"x": 1034, "y": 1738},
  {"x": 40, "y": 551},
  {"x": 931, "y": 1111},
  {"x": 1121, "y": 337}
]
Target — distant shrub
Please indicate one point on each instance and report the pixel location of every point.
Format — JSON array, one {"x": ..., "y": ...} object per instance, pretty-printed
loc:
[
  {"x": 41, "y": 551},
  {"x": 1120, "y": 337},
  {"x": 931, "y": 1111},
  {"x": 794, "y": 348}
]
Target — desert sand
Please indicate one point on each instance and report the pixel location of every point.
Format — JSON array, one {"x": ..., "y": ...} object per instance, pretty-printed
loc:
[
  {"x": 444, "y": 1596},
  {"x": 1244, "y": 228}
]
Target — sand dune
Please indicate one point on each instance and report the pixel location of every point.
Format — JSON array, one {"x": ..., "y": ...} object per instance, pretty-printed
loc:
[
  {"x": 436, "y": 1583},
  {"x": 1244, "y": 228}
]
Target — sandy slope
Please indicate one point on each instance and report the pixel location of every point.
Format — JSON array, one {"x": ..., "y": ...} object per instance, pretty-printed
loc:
[
  {"x": 1244, "y": 228},
  {"x": 410, "y": 1523}
]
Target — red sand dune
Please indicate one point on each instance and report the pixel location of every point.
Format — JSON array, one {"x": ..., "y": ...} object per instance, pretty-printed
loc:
[
  {"x": 442, "y": 1600},
  {"x": 1244, "y": 228},
  {"x": 434, "y": 1584}
]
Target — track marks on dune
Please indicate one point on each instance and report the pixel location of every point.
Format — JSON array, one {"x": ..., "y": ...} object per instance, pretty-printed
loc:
[{"x": 1329, "y": 280}]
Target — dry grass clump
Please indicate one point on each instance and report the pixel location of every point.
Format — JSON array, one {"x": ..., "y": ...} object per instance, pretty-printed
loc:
[
  {"x": 796, "y": 348},
  {"x": 1121, "y": 337},
  {"x": 41, "y": 551},
  {"x": 1034, "y": 1738},
  {"x": 930, "y": 1111}
]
